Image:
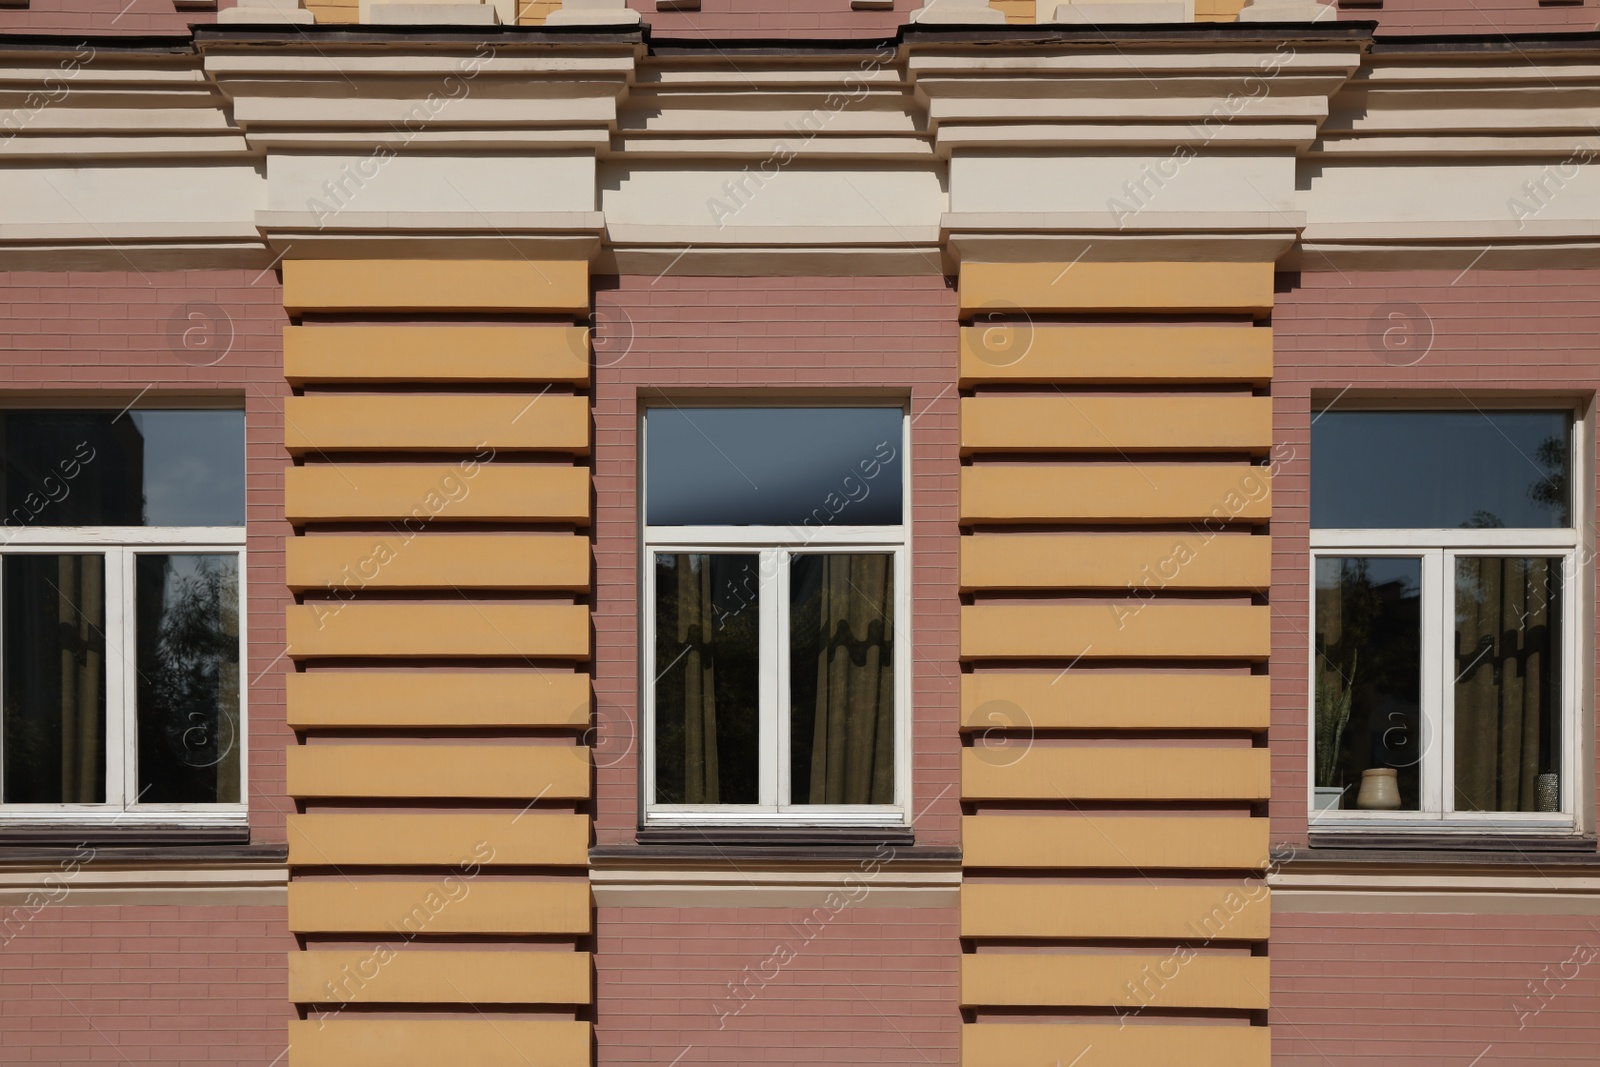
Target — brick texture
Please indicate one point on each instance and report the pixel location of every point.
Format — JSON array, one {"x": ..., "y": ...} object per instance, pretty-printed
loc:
[
  {"x": 143, "y": 984},
  {"x": 777, "y": 985},
  {"x": 1493, "y": 17},
  {"x": 162, "y": 984},
  {"x": 822, "y": 19},
  {"x": 749, "y": 334},
  {"x": 104, "y": 17},
  {"x": 1497, "y": 990}
]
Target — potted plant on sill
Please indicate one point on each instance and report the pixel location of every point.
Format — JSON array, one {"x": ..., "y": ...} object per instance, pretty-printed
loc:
[{"x": 1334, "y": 693}]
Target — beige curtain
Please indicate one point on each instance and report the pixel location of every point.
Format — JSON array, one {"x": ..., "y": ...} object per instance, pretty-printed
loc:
[
  {"x": 694, "y": 632},
  {"x": 1507, "y": 640},
  {"x": 80, "y": 608},
  {"x": 852, "y": 756}
]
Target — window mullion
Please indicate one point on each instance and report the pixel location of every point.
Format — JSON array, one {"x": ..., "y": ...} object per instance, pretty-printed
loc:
[
  {"x": 121, "y": 732},
  {"x": 1438, "y": 675},
  {"x": 773, "y": 638}
]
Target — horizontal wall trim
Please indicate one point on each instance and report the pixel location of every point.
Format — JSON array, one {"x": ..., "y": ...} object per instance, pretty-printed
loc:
[
  {"x": 399, "y": 770},
  {"x": 404, "y": 975},
  {"x": 1090, "y": 841},
  {"x": 1113, "y": 287},
  {"x": 1110, "y": 700},
  {"x": 1098, "y": 772},
  {"x": 1141, "y": 563},
  {"x": 1421, "y": 901},
  {"x": 411, "y": 699},
  {"x": 1116, "y": 423},
  {"x": 1108, "y": 1045},
  {"x": 443, "y": 422},
  {"x": 554, "y": 285},
  {"x": 451, "y": 904},
  {"x": 349, "y": 563},
  {"x": 992, "y": 979},
  {"x": 482, "y": 1042},
  {"x": 1021, "y": 351},
  {"x": 435, "y": 353},
  {"x": 337, "y": 628},
  {"x": 1211, "y": 493},
  {"x": 1231, "y": 910},
  {"x": 1099, "y": 631},
  {"x": 521, "y": 838},
  {"x": 419, "y": 494}
]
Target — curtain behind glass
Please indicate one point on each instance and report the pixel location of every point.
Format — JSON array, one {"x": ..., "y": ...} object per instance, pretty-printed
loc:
[
  {"x": 1507, "y": 689},
  {"x": 841, "y": 678},
  {"x": 707, "y": 691},
  {"x": 55, "y": 679}
]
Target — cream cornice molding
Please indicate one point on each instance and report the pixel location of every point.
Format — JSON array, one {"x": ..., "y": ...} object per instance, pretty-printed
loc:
[
  {"x": 1094, "y": 236},
  {"x": 434, "y": 234}
]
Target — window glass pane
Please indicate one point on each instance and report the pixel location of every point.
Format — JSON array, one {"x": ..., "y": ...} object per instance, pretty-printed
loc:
[
  {"x": 1508, "y": 684},
  {"x": 815, "y": 467},
  {"x": 841, "y": 678},
  {"x": 55, "y": 679},
  {"x": 1440, "y": 469},
  {"x": 1367, "y": 687},
  {"x": 188, "y": 662},
  {"x": 139, "y": 468},
  {"x": 707, "y": 678}
]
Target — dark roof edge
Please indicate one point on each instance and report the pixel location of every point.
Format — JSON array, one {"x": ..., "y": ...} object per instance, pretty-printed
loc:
[
  {"x": 165, "y": 44},
  {"x": 1190, "y": 34}
]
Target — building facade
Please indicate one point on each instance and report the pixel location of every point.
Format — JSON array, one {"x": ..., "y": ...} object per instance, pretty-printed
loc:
[{"x": 843, "y": 531}]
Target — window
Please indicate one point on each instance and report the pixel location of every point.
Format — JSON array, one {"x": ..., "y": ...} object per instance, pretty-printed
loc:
[
  {"x": 121, "y": 605},
  {"x": 776, "y": 646},
  {"x": 1445, "y": 656}
]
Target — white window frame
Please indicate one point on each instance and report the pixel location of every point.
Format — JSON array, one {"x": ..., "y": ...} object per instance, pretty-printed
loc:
[
  {"x": 122, "y": 810},
  {"x": 776, "y": 546},
  {"x": 1438, "y": 549}
]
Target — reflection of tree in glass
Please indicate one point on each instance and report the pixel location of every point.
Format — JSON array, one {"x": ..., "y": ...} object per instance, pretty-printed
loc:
[
  {"x": 1373, "y": 623},
  {"x": 1340, "y": 638},
  {"x": 707, "y": 667},
  {"x": 1552, "y": 490},
  {"x": 189, "y": 680}
]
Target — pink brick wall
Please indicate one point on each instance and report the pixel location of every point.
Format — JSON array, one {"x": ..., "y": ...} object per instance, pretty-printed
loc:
[
  {"x": 1479, "y": 334},
  {"x": 1492, "y": 17},
  {"x": 156, "y": 985},
  {"x": 162, "y": 984},
  {"x": 750, "y": 334},
  {"x": 867, "y": 985},
  {"x": 1492, "y": 990},
  {"x": 877, "y": 984},
  {"x": 756, "y": 19},
  {"x": 103, "y": 17}
]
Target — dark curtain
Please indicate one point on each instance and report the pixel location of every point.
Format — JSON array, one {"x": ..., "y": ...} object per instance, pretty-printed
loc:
[
  {"x": 694, "y": 635},
  {"x": 1508, "y": 625},
  {"x": 55, "y": 679},
  {"x": 707, "y": 683}
]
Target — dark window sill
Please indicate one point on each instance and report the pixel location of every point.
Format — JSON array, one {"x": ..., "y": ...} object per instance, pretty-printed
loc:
[
  {"x": 143, "y": 853},
  {"x": 1488, "y": 848},
  {"x": 117, "y": 837}
]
